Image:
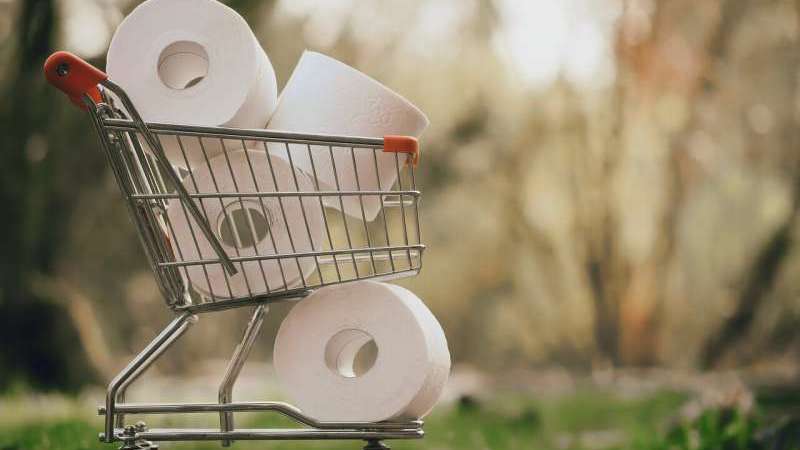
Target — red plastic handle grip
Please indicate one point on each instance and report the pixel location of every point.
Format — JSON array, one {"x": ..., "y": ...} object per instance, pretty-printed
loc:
[
  {"x": 402, "y": 144},
  {"x": 73, "y": 76}
]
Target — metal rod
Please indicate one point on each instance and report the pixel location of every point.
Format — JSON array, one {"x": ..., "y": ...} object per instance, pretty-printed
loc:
[
  {"x": 414, "y": 249},
  {"x": 155, "y": 146},
  {"x": 238, "y": 302},
  {"x": 336, "y": 259},
  {"x": 291, "y": 295},
  {"x": 240, "y": 354},
  {"x": 409, "y": 202},
  {"x": 279, "y": 407},
  {"x": 249, "y": 134},
  {"x": 111, "y": 147},
  {"x": 273, "y": 434},
  {"x": 123, "y": 387},
  {"x": 153, "y": 347}
]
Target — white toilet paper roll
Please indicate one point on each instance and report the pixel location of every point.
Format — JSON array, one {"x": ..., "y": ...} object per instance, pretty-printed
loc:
[
  {"x": 318, "y": 341},
  {"x": 192, "y": 62},
  {"x": 248, "y": 226},
  {"x": 325, "y": 96}
]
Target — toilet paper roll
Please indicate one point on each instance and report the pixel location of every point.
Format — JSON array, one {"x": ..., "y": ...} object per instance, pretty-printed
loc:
[
  {"x": 192, "y": 62},
  {"x": 248, "y": 225},
  {"x": 318, "y": 341},
  {"x": 325, "y": 96}
]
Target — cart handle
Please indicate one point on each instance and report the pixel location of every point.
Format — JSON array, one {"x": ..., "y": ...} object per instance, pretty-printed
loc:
[
  {"x": 74, "y": 77},
  {"x": 402, "y": 144}
]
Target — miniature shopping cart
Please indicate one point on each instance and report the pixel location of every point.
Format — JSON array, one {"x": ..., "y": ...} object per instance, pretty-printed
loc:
[{"x": 346, "y": 249}]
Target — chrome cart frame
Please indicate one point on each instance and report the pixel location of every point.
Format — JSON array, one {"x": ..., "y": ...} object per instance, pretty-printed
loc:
[{"x": 350, "y": 248}]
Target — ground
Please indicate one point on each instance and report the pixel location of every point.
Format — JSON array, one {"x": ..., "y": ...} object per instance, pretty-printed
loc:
[
  {"x": 585, "y": 419},
  {"x": 657, "y": 410}
]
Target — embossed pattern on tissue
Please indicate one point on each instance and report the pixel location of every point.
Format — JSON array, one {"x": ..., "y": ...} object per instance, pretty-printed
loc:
[{"x": 378, "y": 112}]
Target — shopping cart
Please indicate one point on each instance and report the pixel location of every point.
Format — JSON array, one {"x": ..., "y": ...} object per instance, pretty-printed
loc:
[{"x": 343, "y": 248}]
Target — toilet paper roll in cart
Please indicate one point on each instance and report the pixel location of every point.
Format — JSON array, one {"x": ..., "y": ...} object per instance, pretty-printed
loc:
[
  {"x": 326, "y": 96},
  {"x": 247, "y": 229},
  {"x": 193, "y": 62}
]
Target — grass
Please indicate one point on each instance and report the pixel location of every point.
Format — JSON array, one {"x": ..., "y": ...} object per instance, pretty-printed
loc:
[
  {"x": 586, "y": 419},
  {"x": 714, "y": 429}
]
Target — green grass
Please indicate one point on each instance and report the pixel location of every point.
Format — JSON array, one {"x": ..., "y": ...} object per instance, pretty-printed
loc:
[
  {"x": 64, "y": 434},
  {"x": 586, "y": 419},
  {"x": 714, "y": 429}
]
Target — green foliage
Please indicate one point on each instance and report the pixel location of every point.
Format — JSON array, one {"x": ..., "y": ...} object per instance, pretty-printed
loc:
[
  {"x": 723, "y": 429},
  {"x": 62, "y": 435}
]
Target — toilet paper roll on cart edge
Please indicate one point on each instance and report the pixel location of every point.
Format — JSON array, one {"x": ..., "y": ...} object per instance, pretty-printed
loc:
[{"x": 326, "y": 96}]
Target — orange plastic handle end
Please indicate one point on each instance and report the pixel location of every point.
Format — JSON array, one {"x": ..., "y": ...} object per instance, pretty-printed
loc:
[
  {"x": 402, "y": 144},
  {"x": 73, "y": 76}
]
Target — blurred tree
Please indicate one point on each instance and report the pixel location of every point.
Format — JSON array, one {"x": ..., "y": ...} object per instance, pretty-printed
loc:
[
  {"x": 40, "y": 344},
  {"x": 762, "y": 273}
]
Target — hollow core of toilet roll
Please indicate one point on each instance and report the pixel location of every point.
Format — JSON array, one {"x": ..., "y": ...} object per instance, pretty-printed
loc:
[
  {"x": 243, "y": 224},
  {"x": 182, "y": 64},
  {"x": 351, "y": 353}
]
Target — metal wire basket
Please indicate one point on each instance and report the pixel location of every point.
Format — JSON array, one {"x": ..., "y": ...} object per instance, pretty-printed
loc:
[{"x": 235, "y": 221}]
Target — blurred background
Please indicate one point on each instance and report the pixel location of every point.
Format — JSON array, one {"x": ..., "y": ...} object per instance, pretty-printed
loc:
[{"x": 611, "y": 202}]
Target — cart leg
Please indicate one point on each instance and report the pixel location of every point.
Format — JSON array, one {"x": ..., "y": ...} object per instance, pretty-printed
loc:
[
  {"x": 142, "y": 361},
  {"x": 123, "y": 388},
  {"x": 235, "y": 365},
  {"x": 140, "y": 444},
  {"x": 376, "y": 444}
]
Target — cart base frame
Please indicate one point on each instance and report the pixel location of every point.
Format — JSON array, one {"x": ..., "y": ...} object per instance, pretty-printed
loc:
[{"x": 139, "y": 437}]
